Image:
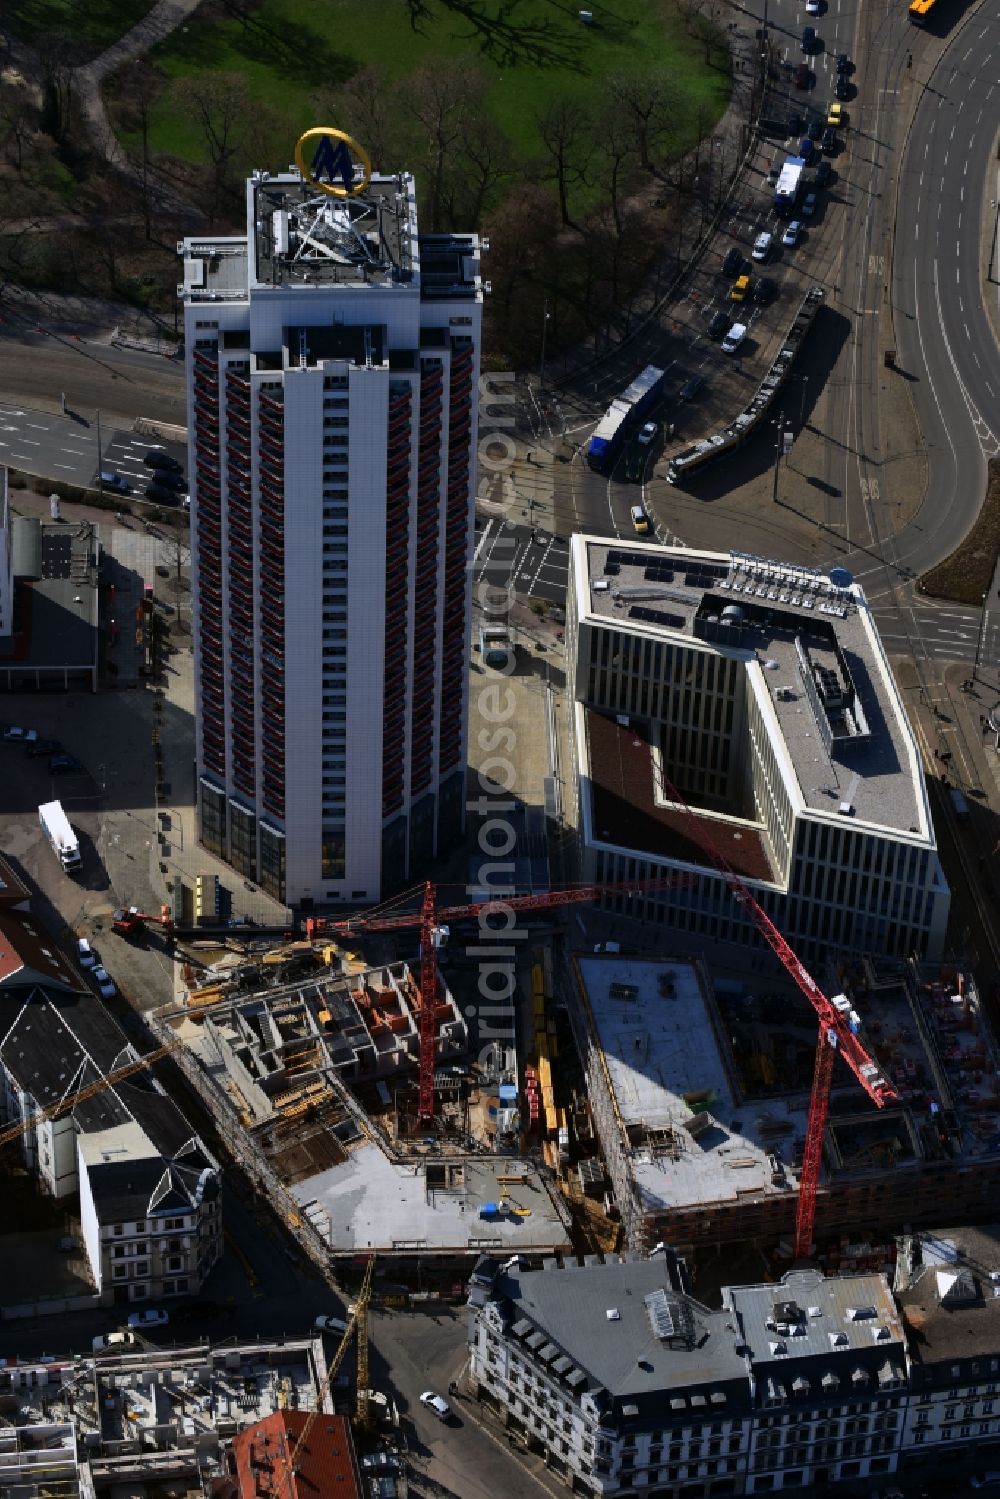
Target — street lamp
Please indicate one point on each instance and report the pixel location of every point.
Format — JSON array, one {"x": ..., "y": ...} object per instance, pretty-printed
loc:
[{"x": 545, "y": 328}]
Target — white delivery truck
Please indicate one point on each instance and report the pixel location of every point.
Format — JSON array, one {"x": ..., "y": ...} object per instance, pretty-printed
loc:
[{"x": 55, "y": 825}]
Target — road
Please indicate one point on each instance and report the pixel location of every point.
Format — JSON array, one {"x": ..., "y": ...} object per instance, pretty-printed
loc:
[{"x": 75, "y": 448}]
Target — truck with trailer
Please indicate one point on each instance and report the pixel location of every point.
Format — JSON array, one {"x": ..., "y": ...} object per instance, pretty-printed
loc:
[
  {"x": 789, "y": 184},
  {"x": 56, "y": 827},
  {"x": 621, "y": 417}
]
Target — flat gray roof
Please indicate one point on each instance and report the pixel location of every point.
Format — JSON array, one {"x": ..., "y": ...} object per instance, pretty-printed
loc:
[
  {"x": 435, "y": 1204},
  {"x": 792, "y": 619},
  {"x": 623, "y": 1354},
  {"x": 667, "y": 1071}
]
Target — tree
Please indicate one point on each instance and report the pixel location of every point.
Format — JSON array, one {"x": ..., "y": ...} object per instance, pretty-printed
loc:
[
  {"x": 365, "y": 108},
  {"x": 141, "y": 86},
  {"x": 566, "y": 132},
  {"x": 17, "y": 119},
  {"x": 481, "y": 165},
  {"x": 617, "y": 149},
  {"x": 228, "y": 116},
  {"x": 647, "y": 102},
  {"x": 445, "y": 104}
]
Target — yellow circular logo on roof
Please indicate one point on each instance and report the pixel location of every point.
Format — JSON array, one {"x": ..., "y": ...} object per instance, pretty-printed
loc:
[{"x": 331, "y": 166}]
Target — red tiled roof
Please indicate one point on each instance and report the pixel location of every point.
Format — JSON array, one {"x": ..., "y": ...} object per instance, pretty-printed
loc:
[
  {"x": 624, "y": 810},
  {"x": 326, "y": 1468}
]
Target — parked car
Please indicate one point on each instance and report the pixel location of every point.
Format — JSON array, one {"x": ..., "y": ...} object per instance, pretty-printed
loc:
[
  {"x": 640, "y": 520},
  {"x": 808, "y": 38},
  {"x": 151, "y": 1317},
  {"x": 814, "y": 129},
  {"x": 649, "y": 432},
  {"x": 85, "y": 954},
  {"x": 330, "y": 1324},
  {"x": 812, "y": 7},
  {"x": 718, "y": 324},
  {"x": 39, "y": 747},
  {"x": 842, "y": 88},
  {"x": 732, "y": 262},
  {"x": 64, "y": 765},
  {"x": 437, "y": 1404},
  {"x": 791, "y": 234},
  {"x": 761, "y": 246},
  {"x": 803, "y": 77},
  {"x": 105, "y": 983},
  {"x": 691, "y": 387},
  {"x": 114, "y": 482},
  {"x": 831, "y": 140},
  {"x": 15, "y": 735},
  {"x": 158, "y": 458},
  {"x": 161, "y": 494},
  {"x": 734, "y": 338},
  {"x": 835, "y": 115},
  {"x": 806, "y": 148},
  {"x": 844, "y": 64},
  {"x": 823, "y": 174},
  {"x": 808, "y": 205},
  {"x": 764, "y": 291},
  {"x": 739, "y": 289}
]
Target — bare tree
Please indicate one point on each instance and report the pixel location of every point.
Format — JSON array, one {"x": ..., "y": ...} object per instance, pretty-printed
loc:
[
  {"x": 565, "y": 129},
  {"x": 226, "y": 113},
  {"x": 647, "y": 102},
  {"x": 17, "y": 120},
  {"x": 364, "y": 106},
  {"x": 444, "y": 105},
  {"x": 141, "y": 87},
  {"x": 481, "y": 166},
  {"x": 616, "y": 147}
]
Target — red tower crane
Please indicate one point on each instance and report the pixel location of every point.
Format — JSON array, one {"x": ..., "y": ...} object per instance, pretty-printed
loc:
[
  {"x": 433, "y": 922},
  {"x": 835, "y": 1033}
]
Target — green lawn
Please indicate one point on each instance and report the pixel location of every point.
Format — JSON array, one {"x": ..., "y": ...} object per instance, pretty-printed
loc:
[{"x": 529, "y": 50}]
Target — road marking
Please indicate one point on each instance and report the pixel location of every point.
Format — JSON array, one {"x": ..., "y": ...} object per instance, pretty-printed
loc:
[
  {"x": 70, "y": 466},
  {"x": 31, "y": 441}
]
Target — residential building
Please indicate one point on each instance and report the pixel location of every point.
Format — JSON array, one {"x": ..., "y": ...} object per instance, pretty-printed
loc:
[
  {"x": 761, "y": 693},
  {"x": 947, "y": 1284},
  {"x": 149, "y": 1188},
  {"x": 826, "y": 1361},
  {"x": 614, "y": 1373},
  {"x": 332, "y": 369},
  {"x": 625, "y": 1383}
]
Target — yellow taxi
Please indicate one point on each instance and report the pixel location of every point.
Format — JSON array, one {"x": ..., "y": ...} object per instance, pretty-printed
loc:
[
  {"x": 740, "y": 288},
  {"x": 835, "y": 115}
]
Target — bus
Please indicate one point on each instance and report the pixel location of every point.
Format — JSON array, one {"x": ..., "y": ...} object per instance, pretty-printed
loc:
[
  {"x": 621, "y": 416},
  {"x": 920, "y": 10}
]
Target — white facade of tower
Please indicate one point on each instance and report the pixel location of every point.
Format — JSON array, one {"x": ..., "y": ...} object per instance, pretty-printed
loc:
[{"x": 332, "y": 362}]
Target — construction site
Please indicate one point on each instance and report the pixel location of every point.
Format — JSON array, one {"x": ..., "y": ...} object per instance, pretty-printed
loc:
[
  {"x": 700, "y": 1096},
  {"x": 312, "y": 1080}
]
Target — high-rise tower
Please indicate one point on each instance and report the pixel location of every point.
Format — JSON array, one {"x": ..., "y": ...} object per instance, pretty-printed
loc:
[{"x": 332, "y": 365}]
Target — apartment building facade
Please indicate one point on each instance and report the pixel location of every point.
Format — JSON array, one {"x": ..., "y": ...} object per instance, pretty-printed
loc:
[
  {"x": 626, "y": 1385},
  {"x": 149, "y": 1188},
  {"x": 332, "y": 367}
]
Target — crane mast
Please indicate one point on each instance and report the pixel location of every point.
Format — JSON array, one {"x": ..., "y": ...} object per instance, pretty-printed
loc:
[{"x": 835, "y": 1034}]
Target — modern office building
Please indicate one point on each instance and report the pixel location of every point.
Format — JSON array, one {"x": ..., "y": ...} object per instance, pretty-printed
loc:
[
  {"x": 332, "y": 367},
  {"x": 761, "y": 693}
]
